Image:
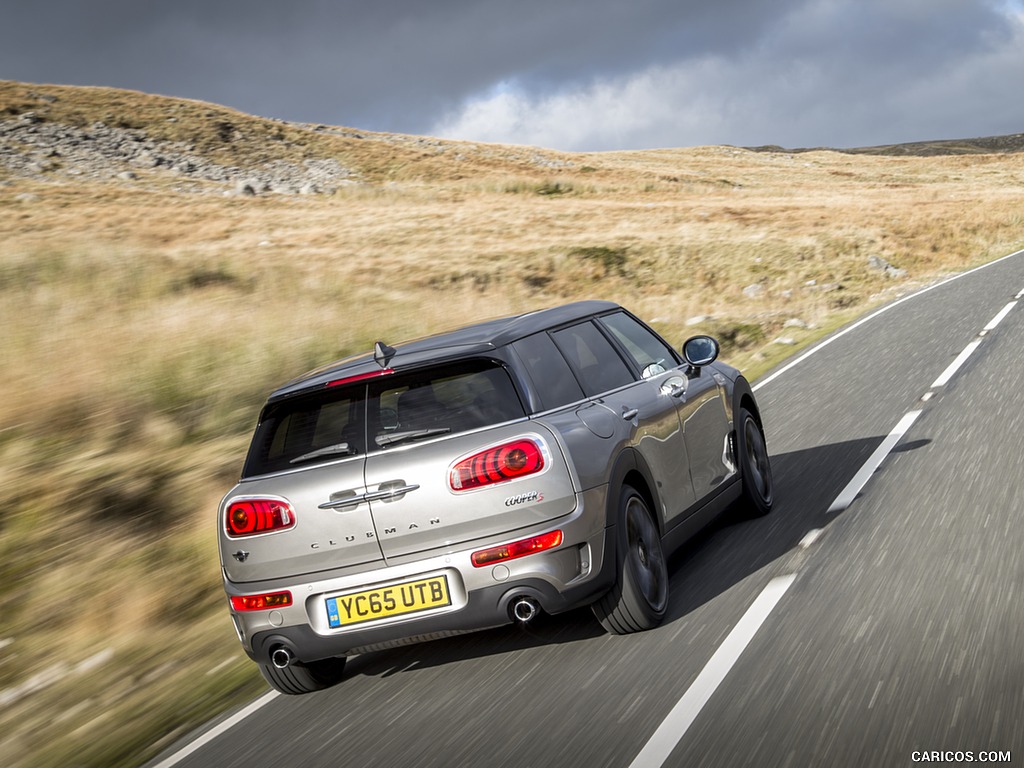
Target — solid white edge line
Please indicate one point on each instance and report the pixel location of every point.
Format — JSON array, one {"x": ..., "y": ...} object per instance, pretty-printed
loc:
[
  {"x": 999, "y": 318},
  {"x": 875, "y": 314},
  {"x": 217, "y": 730},
  {"x": 677, "y": 722},
  {"x": 953, "y": 367},
  {"x": 849, "y": 493}
]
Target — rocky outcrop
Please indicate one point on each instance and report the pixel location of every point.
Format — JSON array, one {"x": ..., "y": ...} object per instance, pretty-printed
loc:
[{"x": 32, "y": 147}]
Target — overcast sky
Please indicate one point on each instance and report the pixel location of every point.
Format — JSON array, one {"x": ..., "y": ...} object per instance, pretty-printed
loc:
[{"x": 562, "y": 74}]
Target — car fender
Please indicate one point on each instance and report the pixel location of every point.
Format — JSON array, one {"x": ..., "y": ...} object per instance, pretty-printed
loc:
[
  {"x": 630, "y": 468},
  {"x": 742, "y": 394}
]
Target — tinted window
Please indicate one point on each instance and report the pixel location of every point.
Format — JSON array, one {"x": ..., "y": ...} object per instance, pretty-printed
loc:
[
  {"x": 552, "y": 377},
  {"x": 594, "y": 359},
  {"x": 333, "y": 423},
  {"x": 327, "y": 424},
  {"x": 648, "y": 351},
  {"x": 449, "y": 399}
]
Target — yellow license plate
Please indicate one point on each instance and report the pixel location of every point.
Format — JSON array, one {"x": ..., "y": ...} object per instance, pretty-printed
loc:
[{"x": 371, "y": 604}]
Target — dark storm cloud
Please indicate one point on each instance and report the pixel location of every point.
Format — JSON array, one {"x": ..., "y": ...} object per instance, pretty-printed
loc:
[
  {"x": 391, "y": 63},
  {"x": 643, "y": 73}
]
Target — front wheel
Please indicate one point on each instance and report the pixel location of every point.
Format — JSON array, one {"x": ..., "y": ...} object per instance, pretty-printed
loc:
[
  {"x": 296, "y": 679},
  {"x": 755, "y": 469},
  {"x": 640, "y": 595}
]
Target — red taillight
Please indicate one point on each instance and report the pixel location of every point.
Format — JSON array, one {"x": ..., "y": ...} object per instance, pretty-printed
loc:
[
  {"x": 261, "y": 602},
  {"x": 252, "y": 516},
  {"x": 520, "y": 548},
  {"x": 495, "y": 465}
]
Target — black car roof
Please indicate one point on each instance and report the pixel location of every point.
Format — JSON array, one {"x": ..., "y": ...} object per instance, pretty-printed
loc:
[{"x": 468, "y": 341}]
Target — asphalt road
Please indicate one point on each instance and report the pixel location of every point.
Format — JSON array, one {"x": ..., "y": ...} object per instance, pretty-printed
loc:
[{"x": 862, "y": 636}]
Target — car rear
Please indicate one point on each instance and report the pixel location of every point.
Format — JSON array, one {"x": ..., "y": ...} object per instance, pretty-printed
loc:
[{"x": 393, "y": 505}]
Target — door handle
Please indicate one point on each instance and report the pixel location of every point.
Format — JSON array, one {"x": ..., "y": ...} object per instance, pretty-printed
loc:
[
  {"x": 385, "y": 492},
  {"x": 343, "y": 499},
  {"x": 389, "y": 492},
  {"x": 674, "y": 387},
  {"x": 628, "y": 414}
]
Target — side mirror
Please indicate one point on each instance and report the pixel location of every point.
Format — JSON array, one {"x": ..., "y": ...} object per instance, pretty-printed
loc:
[{"x": 699, "y": 351}]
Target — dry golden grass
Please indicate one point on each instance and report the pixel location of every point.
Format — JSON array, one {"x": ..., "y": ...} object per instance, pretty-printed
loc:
[{"x": 142, "y": 328}]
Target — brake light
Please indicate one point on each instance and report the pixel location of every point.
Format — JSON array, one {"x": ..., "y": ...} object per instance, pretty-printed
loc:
[
  {"x": 520, "y": 548},
  {"x": 252, "y": 516},
  {"x": 261, "y": 602},
  {"x": 495, "y": 465},
  {"x": 360, "y": 377}
]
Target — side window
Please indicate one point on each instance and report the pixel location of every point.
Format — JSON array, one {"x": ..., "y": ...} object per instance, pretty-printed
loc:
[
  {"x": 549, "y": 371},
  {"x": 594, "y": 359},
  {"x": 651, "y": 355}
]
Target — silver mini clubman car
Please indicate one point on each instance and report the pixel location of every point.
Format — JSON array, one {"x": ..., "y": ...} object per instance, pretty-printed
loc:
[{"x": 471, "y": 479}]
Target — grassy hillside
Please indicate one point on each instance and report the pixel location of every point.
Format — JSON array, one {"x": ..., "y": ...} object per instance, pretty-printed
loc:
[
  {"x": 149, "y": 301},
  {"x": 984, "y": 145}
]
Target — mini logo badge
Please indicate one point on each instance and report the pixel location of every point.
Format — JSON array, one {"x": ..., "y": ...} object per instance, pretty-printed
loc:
[{"x": 240, "y": 555}]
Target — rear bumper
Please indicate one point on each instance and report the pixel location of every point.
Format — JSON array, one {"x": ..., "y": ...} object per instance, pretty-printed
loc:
[
  {"x": 487, "y": 607},
  {"x": 574, "y": 574}
]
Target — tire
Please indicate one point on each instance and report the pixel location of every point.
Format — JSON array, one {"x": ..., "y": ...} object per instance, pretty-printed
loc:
[
  {"x": 755, "y": 468},
  {"x": 297, "y": 678},
  {"x": 640, "y": 595}
]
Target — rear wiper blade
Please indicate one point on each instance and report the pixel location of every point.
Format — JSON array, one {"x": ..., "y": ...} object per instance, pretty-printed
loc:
[
  {"x": 330, "y": 450},
  {"x": 412, "y": 434}
]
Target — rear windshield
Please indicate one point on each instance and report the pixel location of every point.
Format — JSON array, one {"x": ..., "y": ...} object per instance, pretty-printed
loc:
[{"x": 381, "y": 413}]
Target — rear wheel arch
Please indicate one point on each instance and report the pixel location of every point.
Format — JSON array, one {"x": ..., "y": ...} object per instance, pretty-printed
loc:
[{"x": 631, "y": 469}]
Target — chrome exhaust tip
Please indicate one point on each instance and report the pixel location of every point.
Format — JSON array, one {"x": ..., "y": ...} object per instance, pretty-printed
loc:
[
  {"x": 524, "y": 609},
  {"x": 281, "y": 657}
]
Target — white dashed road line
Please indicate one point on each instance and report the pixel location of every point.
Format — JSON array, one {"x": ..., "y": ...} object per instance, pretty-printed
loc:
[
  {"x": 849, "y": 493},
  {"x": 999, "y": 318},
  {"x": 953, "y": 367},
  {"x": 676, "y": 723}
]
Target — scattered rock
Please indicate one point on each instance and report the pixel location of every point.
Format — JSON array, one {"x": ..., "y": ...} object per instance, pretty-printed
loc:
[
  {"x": 796, "y": 322},
  {"x": 785, "y": 340},
  {"x": 29, "y": 146},
  {"x": 754, "y": 291},
  {"x": 699, "y": 319},
  {"x": 881, "y": 265}
]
